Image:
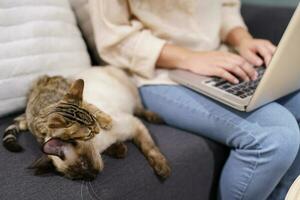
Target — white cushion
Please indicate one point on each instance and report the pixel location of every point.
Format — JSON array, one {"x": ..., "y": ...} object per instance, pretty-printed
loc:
[{"x": 36, "y": 37}]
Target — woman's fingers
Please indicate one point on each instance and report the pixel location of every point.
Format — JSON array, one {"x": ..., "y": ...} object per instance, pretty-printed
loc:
[
  {"x": 250, "y": 70},
  {"x": 222, "y": 73},
  {"x": 236, "y": 70},
  {"x": 270, "y": 46},
  {"x": 241, "y": 68},
  {"x": 252, "y": 58},
  {"x": 265, "y": 53}
]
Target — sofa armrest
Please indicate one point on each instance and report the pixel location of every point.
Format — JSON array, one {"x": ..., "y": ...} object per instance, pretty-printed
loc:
[{"x": 268, "y": 22}]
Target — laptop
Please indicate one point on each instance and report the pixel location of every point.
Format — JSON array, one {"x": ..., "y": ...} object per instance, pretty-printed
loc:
[{"x": 280, "y": 78}]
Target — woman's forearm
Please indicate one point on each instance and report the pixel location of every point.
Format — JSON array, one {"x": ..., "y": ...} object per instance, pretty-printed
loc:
[
  {"x": 207, "y": 63},
  {"x": 237, "y": 35},
  {"x": 172, "y": 57}
]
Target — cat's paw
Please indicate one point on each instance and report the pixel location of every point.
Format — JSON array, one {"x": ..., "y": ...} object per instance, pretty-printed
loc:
[
  {"x": 153, "y": 117},
  {"x": 106, "y": 122},
  {"x": 106, "y": 125},
  {"x": 117, "y": 150},
  {"x": 148, "y": 115},
  {"x": 160, "y": 164}
]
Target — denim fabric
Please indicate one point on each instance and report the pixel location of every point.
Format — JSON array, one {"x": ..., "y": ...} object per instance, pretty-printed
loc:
[{"x": 264, "y": 143}]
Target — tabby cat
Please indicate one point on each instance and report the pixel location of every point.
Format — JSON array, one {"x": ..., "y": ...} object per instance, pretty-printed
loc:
[
  {"x": 52, "y": 112},
  {"x": 73, "y": 132}
]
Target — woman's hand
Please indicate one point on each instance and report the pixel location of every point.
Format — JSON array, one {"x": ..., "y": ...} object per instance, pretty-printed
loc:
[
  {"x": 221, "y": 64},
  {"x": 250, "y": 49},
  {"x": 225, "y": 65}
]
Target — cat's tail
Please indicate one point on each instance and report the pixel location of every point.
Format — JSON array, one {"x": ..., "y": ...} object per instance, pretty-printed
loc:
[{"x": 10, "y": 135}]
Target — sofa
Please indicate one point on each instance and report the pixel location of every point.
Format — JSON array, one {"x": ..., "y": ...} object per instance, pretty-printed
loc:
[{"x": 196, "y": 161}]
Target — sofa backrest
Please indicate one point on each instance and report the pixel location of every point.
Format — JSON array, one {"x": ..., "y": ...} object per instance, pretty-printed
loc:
[{"x": 36, "y": 38}]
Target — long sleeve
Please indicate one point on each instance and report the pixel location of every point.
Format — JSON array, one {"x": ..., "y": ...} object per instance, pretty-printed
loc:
[
  {"x": 122, "y": 40},
  {"x": 231, "y": 17}
]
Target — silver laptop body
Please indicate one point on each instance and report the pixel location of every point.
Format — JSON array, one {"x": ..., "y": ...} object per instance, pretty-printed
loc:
[{"x": 280, "y": 78}]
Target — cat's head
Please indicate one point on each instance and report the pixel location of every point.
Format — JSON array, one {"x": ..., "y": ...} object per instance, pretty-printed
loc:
[
  {"x": 73, "y": 159},
  {"x": 69, "y": 148},
  {"x": 69, "y": 120}
]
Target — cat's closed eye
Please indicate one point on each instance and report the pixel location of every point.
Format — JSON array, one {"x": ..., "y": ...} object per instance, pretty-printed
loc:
[{"x": 68, "y": 124}]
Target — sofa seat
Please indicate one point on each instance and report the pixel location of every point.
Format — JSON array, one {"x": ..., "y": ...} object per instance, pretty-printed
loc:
[{"x": 195, "y": 162}]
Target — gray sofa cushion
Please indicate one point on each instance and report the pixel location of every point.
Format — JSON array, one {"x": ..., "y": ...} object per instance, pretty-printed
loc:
[
  {"x": 195, "y": 162},
  {"x": 267, "y": 22}
]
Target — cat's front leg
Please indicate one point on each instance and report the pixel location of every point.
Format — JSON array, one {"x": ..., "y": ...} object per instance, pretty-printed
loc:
[
  {"x": 103, "y": 119},
  {"x": 144, "y": 141},
  {"x": 129, "y": 127}
]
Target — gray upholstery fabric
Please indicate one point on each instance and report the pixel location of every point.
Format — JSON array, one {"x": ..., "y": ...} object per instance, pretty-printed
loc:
[
  {"x": 196, "y": 162},
  {"x": 267, "y": 22},
  {"x": 192, "y": 158}
]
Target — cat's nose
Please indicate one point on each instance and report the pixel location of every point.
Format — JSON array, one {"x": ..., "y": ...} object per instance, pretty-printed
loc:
[{"x": 89, "y": 176}]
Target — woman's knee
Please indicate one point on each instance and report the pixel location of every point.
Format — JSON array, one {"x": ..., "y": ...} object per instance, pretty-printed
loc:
[
  {"x": 280, "y": 130},
  {"x": 286, "y": 136},
  {"x": 275, "y": 141},
  {"x": 280, "y": 146}
]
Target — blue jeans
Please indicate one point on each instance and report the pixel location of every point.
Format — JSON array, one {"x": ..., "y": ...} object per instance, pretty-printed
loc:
[{"x": 264, "y": 159}]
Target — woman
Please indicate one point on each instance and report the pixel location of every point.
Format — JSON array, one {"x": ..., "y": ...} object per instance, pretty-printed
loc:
[{"x": 150, "y": 37}]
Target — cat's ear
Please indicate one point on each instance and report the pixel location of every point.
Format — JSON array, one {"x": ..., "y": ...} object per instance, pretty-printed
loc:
[
  {"x": 55, "y": 147},
  {"x": 42, "y": 165},
  {"x": 75, "y": 93},
  {"x": 56, "y": 121}
]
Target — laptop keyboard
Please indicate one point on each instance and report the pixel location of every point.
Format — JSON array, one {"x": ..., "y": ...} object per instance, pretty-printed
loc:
[{"x": 243, "y": 89}]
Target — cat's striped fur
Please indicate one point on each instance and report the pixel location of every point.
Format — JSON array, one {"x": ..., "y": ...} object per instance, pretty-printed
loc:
[{"x": 50, "y": 106}]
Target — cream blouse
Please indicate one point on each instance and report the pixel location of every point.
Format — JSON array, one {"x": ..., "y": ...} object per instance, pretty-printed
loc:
[{"x": 131, "y": 33}]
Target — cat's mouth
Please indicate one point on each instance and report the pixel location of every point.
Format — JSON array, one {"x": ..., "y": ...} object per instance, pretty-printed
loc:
[{"x": 55, "y": 147}]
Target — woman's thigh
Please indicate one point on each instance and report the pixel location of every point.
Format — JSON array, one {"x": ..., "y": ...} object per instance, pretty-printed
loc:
[{"x": 186, "y": 109}]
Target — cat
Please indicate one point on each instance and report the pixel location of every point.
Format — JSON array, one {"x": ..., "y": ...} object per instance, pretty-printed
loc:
[
  {"x": 53, "y": 111},
  {"x": 74, "y": 133}
]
